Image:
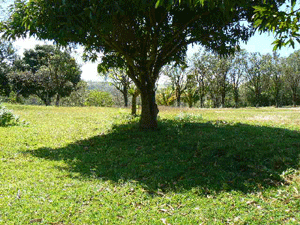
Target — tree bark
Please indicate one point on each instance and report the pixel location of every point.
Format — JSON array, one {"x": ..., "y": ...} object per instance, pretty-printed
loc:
[
  {"x": 178, "y": 98},
  {"x": 202, "y": 101},
  {"x": 133, "y": 106},
  {"x": 294, "y": 98},
  {"x": 236, "y": 97},
  {"x": 125, "y": 95},
  {"x": 57, "y": 100},
  {"x": 149, "y": 109}
]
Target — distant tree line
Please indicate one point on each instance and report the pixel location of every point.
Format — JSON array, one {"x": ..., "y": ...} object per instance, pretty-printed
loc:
[
  {"x": 48, "y": 75},
  {"x": 245, "y": 79}
]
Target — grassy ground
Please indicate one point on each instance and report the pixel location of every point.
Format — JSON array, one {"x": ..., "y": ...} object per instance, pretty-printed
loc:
[{"x": 208, "y": 166}]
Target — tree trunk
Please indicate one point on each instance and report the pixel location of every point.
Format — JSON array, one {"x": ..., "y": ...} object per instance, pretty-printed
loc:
[
  {"x": 133, "y": 106},
  {"x": 277, "y": 98},
  {"x": 149, "y": 109},
  {"x": 178, "y": 99},
  {"x": 223, "y": 99},
  {"x": 190, "y": 103},
  {"x": 125, "y": 95},
  {"x": 223, "y": 94},
  {"x": 202, "y": 100},
  {"x": 236, "y": 97},
  {"x": 294, "y": 94},
  {"x": 57, "y": 100},
  {"x": 46, "y": 101},
  {"x": 18, "y": 98}
]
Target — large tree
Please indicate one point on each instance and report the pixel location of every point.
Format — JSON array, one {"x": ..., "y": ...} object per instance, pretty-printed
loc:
[{"x": 148, "y": 34}]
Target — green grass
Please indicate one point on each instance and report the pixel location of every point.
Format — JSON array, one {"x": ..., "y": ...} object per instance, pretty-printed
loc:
[{"x": 208, "y": 166}]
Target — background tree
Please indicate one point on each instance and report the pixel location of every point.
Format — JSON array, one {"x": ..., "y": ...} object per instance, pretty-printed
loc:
[
  {"x": 254, "y": 77},
  {"x": 22, "y": 83},
  {"x": 120, "y": 80},
  {"x": 34, "y": 59},
  {"x": 65, "y": 73},
  {"x": 292, "y": 75},
  {"x": 272, "y": 68},
  {"x": 190, "y": 95},
  {"x": 217, "y": 78},
  {"x": 113, "y": 68},
  {"x": 165, "y": 96},
  {"x": 78, "y": 96},
  {"x": 177, "y": 76},
  {"x": 148, "y": 34},
  {"x": 257, "y": 80},
  {"x": 220, "y": 67},
  {"x": 99, "y": 98},
  {"x": 237, "y": 74},
  {"x": 200, "y": 70},
  {"x": 7, "y": 57},
  {"x": 46, "y": 72},
  {"x": 44, "y": 85}
]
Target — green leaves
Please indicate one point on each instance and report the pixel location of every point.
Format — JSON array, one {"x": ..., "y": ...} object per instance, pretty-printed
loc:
[{"x": 283, "y": 23}]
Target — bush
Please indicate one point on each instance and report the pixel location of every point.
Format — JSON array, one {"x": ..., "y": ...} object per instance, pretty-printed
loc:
[
  {"x": 7, "y": 118},
  {"x": 188, "y": 117},
  {"x": 99, "y": 98}
]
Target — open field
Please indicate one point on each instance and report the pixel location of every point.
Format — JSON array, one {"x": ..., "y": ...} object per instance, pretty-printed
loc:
[{"x": 203, "y": 166}]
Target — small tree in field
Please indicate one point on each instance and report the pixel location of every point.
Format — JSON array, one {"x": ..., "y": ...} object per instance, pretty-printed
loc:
[{"x": 119, "y": 79}]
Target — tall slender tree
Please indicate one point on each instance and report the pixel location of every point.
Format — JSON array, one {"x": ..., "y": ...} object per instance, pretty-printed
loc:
[{"x": 237, "y": 74}]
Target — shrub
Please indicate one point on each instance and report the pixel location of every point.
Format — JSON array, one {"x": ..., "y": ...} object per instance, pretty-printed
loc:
[
  {"x": 99, "y": 98},
  {"x": 7, "y": 118},
  {"x": 188, "y": 117}
]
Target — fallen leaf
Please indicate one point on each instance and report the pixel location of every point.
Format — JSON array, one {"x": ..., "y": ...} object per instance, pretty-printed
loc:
[
  {"x": 36, "y": 221},
  {"x": 251, "y": 202},
  {"x": 164, "y": 221},
  {"x": 164, "y": 210}
]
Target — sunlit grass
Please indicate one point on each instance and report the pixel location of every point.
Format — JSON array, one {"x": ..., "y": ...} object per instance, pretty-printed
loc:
[{"x": 202, "y": 166}]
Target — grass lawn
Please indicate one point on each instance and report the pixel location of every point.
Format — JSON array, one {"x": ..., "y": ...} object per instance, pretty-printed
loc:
[{"x": 203, "y": 166}]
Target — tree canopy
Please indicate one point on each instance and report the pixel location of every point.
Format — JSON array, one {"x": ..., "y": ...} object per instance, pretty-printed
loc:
[
  {"x": 283, "y": 22},
  {"x": 147, "y": 34},
  {"x": 45, "y": 71}
]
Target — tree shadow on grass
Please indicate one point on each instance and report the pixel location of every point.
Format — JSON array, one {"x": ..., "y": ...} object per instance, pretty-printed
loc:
[{"x": 206, "y": 157}]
